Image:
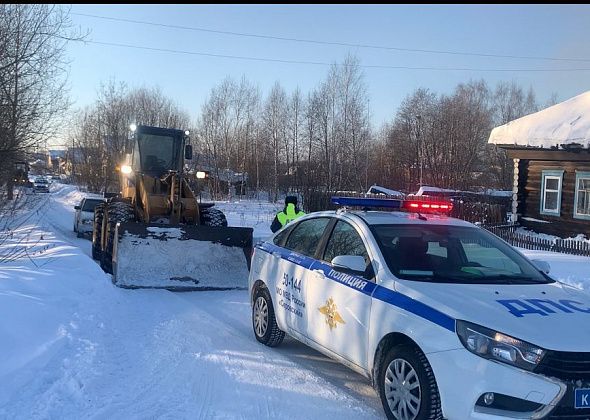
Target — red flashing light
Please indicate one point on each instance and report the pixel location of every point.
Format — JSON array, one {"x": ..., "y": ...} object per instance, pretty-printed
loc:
[{"x": 428, "y": 206}]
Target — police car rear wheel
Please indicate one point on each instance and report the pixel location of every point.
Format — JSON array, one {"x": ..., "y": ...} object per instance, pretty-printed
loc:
[
  {"x": 264, "y": 322},
  {"x": 407, "y": 386}
]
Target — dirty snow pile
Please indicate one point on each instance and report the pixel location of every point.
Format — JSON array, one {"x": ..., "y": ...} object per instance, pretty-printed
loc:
[{"x": 148, "y": 259}]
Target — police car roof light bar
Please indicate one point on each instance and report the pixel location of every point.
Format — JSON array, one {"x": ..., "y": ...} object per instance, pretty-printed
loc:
[
  {"x": 421, "y": 205},
  {"x": 368, "y": 202}
]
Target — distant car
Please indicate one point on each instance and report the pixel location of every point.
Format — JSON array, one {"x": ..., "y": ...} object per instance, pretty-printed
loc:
[
  {"x": 41, "y": 184},
  {"x": 84, "y": 215}
]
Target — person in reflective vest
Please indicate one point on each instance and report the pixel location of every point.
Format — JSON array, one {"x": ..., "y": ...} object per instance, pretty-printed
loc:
[{"x": 289, "y": 213}]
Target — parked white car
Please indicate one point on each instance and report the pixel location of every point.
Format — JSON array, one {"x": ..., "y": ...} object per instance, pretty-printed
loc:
[
  {"x": 84, "y": 215},
  {"x": 445, "y": 318},
  {"x": 41, "y": 184}
]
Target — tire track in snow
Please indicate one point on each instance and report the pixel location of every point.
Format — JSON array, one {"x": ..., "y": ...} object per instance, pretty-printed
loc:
[{"x": 157, "y": 354}]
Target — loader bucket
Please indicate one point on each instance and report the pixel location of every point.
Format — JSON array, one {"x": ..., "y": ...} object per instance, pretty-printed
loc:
[{"x": 181, "y": 257}]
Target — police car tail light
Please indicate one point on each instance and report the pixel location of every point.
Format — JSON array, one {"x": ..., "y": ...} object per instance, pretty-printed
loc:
[{"x": 493, "y": 345}]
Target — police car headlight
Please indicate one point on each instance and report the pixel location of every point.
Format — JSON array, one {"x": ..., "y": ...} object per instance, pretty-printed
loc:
[{"x": 494, "y": 345}]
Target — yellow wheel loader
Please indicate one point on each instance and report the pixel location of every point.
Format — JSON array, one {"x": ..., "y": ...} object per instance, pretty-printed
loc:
[{"x": 155, "y": 234}]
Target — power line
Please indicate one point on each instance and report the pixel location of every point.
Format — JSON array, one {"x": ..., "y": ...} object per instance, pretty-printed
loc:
[
  {"x": 320, "y": 63},
  {"x": 337, "y": 43}
]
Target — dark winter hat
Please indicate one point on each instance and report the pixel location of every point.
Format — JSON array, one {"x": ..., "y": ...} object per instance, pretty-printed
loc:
[{"x": 290, "y": 199}]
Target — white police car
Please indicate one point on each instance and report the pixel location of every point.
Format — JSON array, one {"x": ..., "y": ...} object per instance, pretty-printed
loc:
[{"x": 445, "y": 318}]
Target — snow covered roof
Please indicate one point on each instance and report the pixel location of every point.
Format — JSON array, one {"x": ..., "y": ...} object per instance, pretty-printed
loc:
[
  {"x": 565, "y": 123},
  {"x": 424, "y": 190},
  {"x": 376, "y": 189}
]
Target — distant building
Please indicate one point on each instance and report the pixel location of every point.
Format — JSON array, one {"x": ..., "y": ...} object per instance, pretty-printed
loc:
[
  {"x": 551, "y": 154},
  {"x": 231, "y": 181},
  {"x": 56, "y": 160}
]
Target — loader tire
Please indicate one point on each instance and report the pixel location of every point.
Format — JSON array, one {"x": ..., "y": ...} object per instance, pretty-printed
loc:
[
  {"x": 213, "y": 217},
  {"x": 97, "y": 230},
  {"x": 115, "y": 212}
]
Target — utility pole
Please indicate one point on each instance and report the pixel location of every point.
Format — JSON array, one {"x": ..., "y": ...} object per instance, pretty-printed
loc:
[
  {"x": 72, "y": 161},
  {"x": 367, "y": 145},
  {"x": 419, "y": 141}
]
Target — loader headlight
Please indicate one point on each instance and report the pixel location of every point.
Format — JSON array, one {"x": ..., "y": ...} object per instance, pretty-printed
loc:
[
  {"x": 126, "y": 169},
  {"x": 494, "y": 345}
]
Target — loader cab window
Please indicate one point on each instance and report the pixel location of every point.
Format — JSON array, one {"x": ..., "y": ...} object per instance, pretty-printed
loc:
[{"x": 159, "y": 154}]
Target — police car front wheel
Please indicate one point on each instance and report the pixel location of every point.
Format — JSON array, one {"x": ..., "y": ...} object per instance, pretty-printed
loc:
[
  {"x": 264, "y": 322},
  {"x": 407, "y": 386}
]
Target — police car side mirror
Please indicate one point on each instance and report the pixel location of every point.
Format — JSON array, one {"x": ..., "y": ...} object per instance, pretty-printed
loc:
[
  {"x": 76, "y": 207},
  {"x": 349, "y": 262},
  {"x": 542, "y": 266}
]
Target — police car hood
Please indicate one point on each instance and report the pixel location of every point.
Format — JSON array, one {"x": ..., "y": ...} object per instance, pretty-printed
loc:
[{"x": 553, "y": 316}]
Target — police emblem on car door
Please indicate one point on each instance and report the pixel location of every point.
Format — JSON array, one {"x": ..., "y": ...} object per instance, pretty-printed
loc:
[
  {"x": 331, "y": 313},
  {"x": 339, "y": 301}
]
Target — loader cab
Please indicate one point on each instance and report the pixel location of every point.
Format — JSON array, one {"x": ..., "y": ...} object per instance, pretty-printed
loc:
[{"x": 157, "y": 150}]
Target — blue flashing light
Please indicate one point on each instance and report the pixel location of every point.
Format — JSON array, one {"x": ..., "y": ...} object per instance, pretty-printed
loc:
[{"x": 368, "y": 202}]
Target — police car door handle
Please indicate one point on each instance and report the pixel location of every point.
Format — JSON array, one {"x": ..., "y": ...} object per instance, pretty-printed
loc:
[
  {"x": 276, "y": 254},
  {"x": 320, "y": 273}
]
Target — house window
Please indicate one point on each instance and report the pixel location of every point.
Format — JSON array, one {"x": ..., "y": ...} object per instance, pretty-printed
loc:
[
  {"x": 582, "y": 197},
  {"x": 551, "y": 192}
]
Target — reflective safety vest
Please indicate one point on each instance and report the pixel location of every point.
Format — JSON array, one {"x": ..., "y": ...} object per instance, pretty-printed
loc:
[{"x": 290, "y": 215}]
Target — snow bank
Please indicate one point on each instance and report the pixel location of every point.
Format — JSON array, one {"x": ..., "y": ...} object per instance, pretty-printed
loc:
[
  {"x": 524, "y": 231},
  {"x": 498, "y": 193},
  {"x": 570, "y": 269},
  {"x": 247, "y": 213},
  {"x": 565, "y": 123}
]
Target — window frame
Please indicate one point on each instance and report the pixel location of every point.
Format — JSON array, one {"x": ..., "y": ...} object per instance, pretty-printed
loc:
[
  {"x": 370, "y": 273},
  {"x": 280, "y": 237},
  {"x": 294, "y": 227},
  {"x": 545, "y": 175},
  {"x": 580, "y": 175}
]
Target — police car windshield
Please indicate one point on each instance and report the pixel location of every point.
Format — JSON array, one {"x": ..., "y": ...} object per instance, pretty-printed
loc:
[{"x": 453, "y": 254}]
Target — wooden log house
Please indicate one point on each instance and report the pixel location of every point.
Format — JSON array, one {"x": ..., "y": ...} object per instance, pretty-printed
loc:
[{"x": 551, "y": 154}]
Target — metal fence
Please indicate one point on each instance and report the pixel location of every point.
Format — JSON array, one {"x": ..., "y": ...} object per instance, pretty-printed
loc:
[{"x": 522, "y": 240}]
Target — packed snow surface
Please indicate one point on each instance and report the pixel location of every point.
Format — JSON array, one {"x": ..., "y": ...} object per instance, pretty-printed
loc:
[
  {"x": 565, "y": 123},
  {"x": 73, "y": 346}
]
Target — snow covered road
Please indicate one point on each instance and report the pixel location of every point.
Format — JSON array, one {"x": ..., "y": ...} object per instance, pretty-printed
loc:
[{"x": 75, "y": 346}]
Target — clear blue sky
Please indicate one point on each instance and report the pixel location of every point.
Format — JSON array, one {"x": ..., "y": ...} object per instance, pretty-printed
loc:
[{"x": 523, "y": 30}]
